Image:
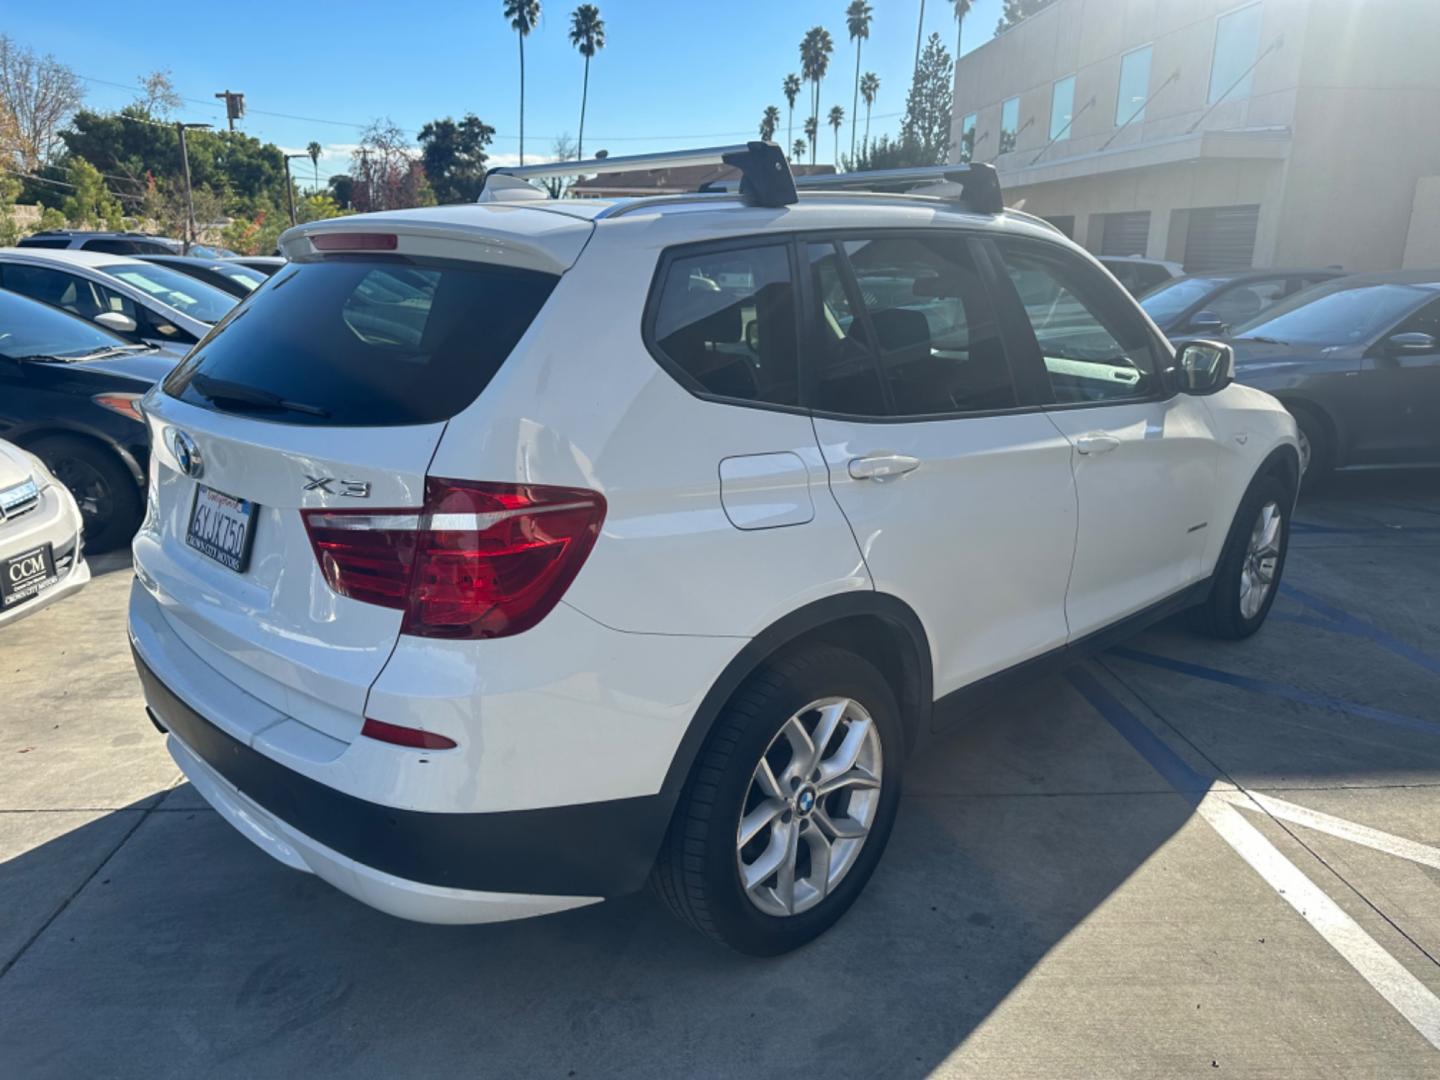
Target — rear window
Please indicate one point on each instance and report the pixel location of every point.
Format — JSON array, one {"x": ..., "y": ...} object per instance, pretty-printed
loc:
[{"x": 364, "y": 341}]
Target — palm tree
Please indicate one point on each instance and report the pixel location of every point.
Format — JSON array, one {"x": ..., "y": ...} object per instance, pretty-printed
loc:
[
  {"x": 812, "y": 129},
  {"x": 791, "y": 86},
  {"x": 835, "y": 119},
  {"x": 798, "y": 150},
  {"x": 857, "y": 19},
  {"x": 315, "y": 150},
  {"x": 962, "y": 8},
  {"x": 587, "y": 33},
  {"x": 523, "y": 15},
  {"x": 815, "y": 50},
  {"x": 869, "y": 87},
  {"x": 769, "y": 122}
]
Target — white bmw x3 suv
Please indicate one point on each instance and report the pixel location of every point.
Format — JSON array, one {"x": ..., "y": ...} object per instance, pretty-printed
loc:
[{"x": 501, "y": 557}]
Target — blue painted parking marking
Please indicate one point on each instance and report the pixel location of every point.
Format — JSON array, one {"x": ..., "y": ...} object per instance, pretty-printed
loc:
[
  {"x": 1352, "y": 624},
  {"x": 1278, "y": 690}
]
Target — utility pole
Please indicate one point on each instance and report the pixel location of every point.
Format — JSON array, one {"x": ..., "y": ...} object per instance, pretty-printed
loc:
[
  {"x": 189, "y": 195},
  {"x": 234, "y": 106},
  {"x": 289, "y": 192}
]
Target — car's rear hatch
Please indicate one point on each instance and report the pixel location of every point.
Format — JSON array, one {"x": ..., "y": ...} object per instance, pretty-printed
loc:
[{"x": 328, "y": 389}]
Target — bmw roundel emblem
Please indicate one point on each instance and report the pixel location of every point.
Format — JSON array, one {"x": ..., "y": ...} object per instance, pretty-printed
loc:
[{"x": 187, "y": 453}]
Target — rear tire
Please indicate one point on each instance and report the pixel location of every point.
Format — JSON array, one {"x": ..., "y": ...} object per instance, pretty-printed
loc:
[
  {"x": 801, "y": 814},
  {"x": 108, "y": 497},
  {"x": 1247, "y": 576}
]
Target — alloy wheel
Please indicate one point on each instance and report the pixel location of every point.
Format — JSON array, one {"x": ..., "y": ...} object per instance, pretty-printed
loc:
[
  {"x": 1262, "y": 560},
  {"x": 810, "y": 806}
]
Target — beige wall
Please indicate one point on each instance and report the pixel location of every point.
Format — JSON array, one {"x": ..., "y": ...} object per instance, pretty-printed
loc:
[
  {"x": 1355, "y": 82},
  {"x": 1422, "y": 246}
]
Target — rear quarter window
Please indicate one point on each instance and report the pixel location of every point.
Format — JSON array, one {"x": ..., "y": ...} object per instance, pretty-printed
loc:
[{"x": 364, "y": 341}]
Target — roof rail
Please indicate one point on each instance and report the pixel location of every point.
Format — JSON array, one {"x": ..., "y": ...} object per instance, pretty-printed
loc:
[
  {"x": 765, "y": 178},
  {"x": 979, "y": 183}
]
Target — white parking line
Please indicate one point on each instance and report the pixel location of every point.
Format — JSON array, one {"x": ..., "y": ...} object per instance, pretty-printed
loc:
[
  {"x": 1389, "y": 843},
  {"x": 1407, "y": 994}
]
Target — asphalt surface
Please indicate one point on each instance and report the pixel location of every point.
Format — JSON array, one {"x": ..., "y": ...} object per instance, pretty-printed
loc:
[{"x": 1182, "y": 859}]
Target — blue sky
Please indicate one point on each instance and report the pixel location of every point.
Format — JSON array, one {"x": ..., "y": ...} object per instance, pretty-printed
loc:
[{"x": 672, "y": 75}]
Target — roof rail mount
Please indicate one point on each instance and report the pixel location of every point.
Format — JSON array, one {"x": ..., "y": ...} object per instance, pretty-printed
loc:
[{"x": 765, "y": 178}]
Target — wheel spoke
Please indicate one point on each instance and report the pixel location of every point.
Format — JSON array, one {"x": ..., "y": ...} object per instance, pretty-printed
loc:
[
  {"x": 819, "y": 846},
  {"x": 842, "y": 828},
  {"x": 801, "y": 745},
  {"x": 763, "y": 869},
  {"x": 785, "y": 879},
  {"x": 765, "y": 779},
  {"x": 830, "y": 717},
  {"x": 856, "y": 778},
  {"x": 757, "y": 819},
  {"x": 848, "y": 752}
]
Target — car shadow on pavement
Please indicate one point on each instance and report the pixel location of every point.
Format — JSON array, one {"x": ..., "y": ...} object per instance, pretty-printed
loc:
[{"x": 190, "y": 951}]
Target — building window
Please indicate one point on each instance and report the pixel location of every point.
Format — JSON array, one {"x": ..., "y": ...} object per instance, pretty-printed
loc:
[
  {"x": 967, "y": 138},
  {"x": 1237, "y": 37},
  {"x": 1062, "y": 108},
  {"x": 1134, "y": 86},
  {"x": 1009, "y": 124}
]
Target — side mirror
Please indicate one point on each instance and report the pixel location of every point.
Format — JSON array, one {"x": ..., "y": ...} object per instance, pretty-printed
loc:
[
  {"x": 114, "y": 320},
  {"x": 1411, "y": 344},
  {"x": 1202, "y": 367},
  {"x": 1206, "y": 322}
]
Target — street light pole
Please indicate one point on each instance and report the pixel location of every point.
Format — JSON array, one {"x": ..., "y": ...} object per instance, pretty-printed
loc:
[{"x": 189, "y": 194}]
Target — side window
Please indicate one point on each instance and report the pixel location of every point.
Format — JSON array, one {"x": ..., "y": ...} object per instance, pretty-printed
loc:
[
  {"x": 54, "y": 287},
  {"x": 932, "y": 324},
  {"x": 111, "y": 247},
  {"x": 147, "y": 323},
  {"x": 1094, "y": 344},
  {"x": 1424, "y": 321},
  {"x": 1246, "y": 300},
  {"x": 847, "y": 379},
  {"x": 727, "y": 320}
]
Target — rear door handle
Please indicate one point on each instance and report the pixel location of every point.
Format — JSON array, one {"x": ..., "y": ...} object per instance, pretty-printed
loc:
[
  {"x": 882, "y": 466},
  {"x": 1096, "y": 442}
]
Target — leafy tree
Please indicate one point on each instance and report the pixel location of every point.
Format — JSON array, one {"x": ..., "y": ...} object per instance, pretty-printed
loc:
[
  {"x": 835, "y": 119},
  {"x": 797, "y": 150},
  {"x": 37, "y": 93},
  {"x": 454, "y": 157},
  {"x": 587, "y": 34},
  {"x": 50, "y": 220},
  {"x": 791, "y": 88},
  {"x": 341, "y": 187},
  {"x": 812, "y": 132},
  {"x": 857, "y": 20},
  {"x": 869, "y": 88},
  {"x": 389, "y": 174},
  {"x": 769, "y": 122},
  {"x": 1015, "y": 12},
  {"x": 9, "y": 227},
  {"x": 925, "y": 128},
  {"x": 523, "y": 15},
  {"x": 158, "y": 96},
  {"x": 318, "y": 207},
  {"x": 90, "y": 204},
  {"x": 315, "y": 150}
]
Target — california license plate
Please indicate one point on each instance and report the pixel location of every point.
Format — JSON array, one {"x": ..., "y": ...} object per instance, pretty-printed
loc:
[
  {"x": 220, "y": 527},
  {"x": 27, "y": 575}
]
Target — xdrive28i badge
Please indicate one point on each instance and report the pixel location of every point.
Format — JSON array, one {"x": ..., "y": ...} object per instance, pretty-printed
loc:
[{"x": 187, "y": 453}]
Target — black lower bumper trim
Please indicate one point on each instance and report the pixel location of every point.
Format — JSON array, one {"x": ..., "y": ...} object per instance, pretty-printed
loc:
[{"x": 590, "y": 849}]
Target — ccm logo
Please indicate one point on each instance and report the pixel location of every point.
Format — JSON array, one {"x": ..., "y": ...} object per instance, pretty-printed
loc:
[
  {"x": 28, "y": 567},
  {"x": 355, "y": 489}
]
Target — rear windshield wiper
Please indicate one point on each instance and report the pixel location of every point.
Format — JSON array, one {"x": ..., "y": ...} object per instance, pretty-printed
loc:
[
  {"x": 218, "y": 390},
  {"x": 98, "y": 354}
]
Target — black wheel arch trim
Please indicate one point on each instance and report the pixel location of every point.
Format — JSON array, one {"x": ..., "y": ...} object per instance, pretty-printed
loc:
[
  {"x": 24, "y": 435},
  {"x": 809, "y": 623}
]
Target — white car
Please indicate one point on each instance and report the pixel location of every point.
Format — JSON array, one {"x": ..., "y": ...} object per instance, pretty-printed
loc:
[
  {"x": 140, "y": 301},
  {"x": 501, "y": 557},
  {"x": 41, "y": 557}
]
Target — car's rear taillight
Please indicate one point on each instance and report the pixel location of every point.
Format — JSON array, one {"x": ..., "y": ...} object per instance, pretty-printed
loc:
[{"x": 480, "y": 560}]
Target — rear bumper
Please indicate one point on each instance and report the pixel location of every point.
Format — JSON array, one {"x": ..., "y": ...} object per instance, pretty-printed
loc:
[{"x": 434, "y": 867}]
